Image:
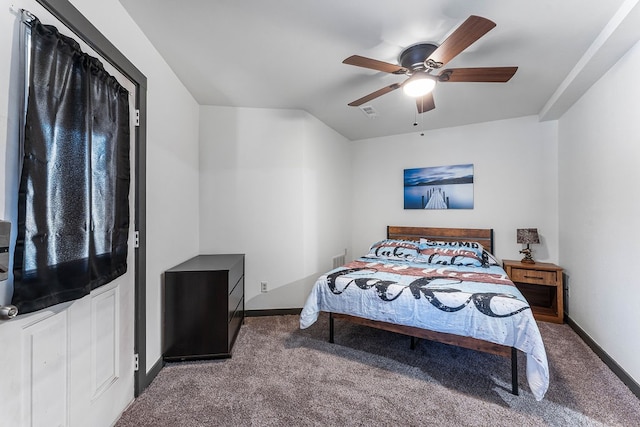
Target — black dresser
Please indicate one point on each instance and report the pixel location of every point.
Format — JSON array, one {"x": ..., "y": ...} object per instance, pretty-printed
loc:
[{"x": 203, "y": 307}]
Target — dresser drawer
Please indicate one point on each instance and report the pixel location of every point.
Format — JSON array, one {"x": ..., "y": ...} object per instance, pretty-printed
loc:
[
  {"x": 235, "y": 297},
  {"x": 235, "y": 273},
  {"x": 235, "y": 323},
  {"x": 540, "y": 277}
]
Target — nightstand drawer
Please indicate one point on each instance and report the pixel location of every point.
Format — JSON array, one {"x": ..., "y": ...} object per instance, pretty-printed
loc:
[{"x": 540, "y": 277}]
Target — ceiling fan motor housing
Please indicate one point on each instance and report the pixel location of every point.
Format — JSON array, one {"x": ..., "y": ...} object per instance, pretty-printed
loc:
[{"x": 413, "y": 57}]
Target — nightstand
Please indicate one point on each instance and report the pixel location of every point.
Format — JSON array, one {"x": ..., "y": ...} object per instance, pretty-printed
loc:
[{"x": 541, "y": 285}]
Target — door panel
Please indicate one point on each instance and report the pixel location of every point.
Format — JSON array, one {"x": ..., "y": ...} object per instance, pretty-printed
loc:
[
  {"x": 104, "y": 341},
  {"x": 45, "y": 371}
]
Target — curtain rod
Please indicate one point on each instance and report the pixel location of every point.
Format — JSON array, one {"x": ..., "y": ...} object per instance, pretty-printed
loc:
[{"x": 27, "y": 17}]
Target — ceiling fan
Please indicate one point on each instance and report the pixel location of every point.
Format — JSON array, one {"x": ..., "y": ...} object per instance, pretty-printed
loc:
[{"x": 420, "y": 60}]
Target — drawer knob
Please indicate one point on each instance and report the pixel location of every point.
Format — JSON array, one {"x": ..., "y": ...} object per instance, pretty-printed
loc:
[{"x": 533, "y": 277}]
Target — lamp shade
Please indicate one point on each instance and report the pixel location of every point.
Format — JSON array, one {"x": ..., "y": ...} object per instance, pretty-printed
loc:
[
  {"x": 419, "y": 84},
  {"x": 527, "y": 235}
]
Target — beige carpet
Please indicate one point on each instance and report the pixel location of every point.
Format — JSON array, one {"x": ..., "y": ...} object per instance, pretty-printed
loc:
[{"x": 283, "y": 376}]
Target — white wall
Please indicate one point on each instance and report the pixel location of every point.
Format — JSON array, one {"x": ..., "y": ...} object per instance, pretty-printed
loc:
[
  {"x": 515, "y": 175},
  {"x": 599, "y": 211},
  {"x": 274, "y": 185}
]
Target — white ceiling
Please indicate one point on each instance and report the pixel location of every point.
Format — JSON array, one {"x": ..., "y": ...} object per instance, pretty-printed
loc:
[{"x": 288, "y": 54}]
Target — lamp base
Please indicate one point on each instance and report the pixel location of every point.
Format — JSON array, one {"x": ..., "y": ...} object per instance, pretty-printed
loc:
[{"x": 527, "y": 256}]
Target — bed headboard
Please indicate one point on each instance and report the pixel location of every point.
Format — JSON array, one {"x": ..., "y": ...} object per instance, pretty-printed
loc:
[{"x": 484, "y": 236}]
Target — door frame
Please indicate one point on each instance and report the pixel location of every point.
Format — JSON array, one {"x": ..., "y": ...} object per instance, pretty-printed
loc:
[{"x": 76, "y": 22}]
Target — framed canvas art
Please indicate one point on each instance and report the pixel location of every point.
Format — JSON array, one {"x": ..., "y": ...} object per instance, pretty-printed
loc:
[{"x": 439, "y": 187}]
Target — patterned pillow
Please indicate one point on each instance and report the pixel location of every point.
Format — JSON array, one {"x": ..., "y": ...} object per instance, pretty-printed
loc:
[
  {"x": 489, "y": 258},
  {"x": 394, "y": 249},
  {"x": 452, "y": 253}
]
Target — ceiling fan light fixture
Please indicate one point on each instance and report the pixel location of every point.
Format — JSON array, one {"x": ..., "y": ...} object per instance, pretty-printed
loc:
[{"x": 419, "y": 85}]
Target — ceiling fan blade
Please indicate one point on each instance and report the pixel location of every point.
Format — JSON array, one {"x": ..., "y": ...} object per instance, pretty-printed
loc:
[
  {"x": 374, "y": 64},
  {"x": 463, "y": 37},
  {"x": 425, "y": 103},
  {"x": 374, "y": 95},
  {"x": 483, "y": 74}
]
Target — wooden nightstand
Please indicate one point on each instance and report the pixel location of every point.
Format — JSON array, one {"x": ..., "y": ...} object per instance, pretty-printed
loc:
[{"x": 541, "y": 285}]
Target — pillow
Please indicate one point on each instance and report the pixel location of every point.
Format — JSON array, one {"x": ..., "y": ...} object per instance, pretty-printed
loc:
[
  {"x": 452, "y": 253},
  {"x": 394, "y": 249},
  {"x": 489, "y": 258},
  {"x": 471, "y": 248},
  {"x": 450, "y": 260}
]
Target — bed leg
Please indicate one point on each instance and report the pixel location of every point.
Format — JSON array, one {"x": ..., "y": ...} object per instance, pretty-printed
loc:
[
  {"x": 331, "y": 328},
  {"x": 514, "y": 371},
  {"x": 413, "y": 343}
]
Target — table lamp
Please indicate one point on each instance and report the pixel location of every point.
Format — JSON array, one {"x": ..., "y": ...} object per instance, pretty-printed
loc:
[{"x": 527, "y": 236}]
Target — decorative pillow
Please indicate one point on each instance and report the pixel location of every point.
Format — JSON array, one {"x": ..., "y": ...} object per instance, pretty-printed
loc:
[
  {"x": 450, "y": 260},
  {"x": 394, "y": 249},
  {"x": 489, "y": 259},
  {"x": 474, "y": 248},
  {"x": 452, "y": 253}
]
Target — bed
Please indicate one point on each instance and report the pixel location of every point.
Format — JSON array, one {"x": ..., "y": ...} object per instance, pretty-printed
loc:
[{"x": 439, "y": 284}]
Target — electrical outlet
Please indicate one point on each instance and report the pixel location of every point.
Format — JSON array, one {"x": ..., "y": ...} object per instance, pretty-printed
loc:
[{"x": 263, "y": 286}]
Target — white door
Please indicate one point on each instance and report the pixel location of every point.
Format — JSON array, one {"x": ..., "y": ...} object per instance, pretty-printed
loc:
[{"x": 71, "y": 364}]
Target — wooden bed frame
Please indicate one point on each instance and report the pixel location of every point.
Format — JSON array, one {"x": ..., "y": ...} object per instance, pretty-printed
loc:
[{"x": 485, "y": 237}]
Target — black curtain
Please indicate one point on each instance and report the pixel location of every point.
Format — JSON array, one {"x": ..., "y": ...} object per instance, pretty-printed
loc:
[{"x": 73, "y": 203}]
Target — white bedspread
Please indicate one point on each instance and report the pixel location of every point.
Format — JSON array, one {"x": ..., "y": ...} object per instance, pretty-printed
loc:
[{"x": 477, "y": 302}]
